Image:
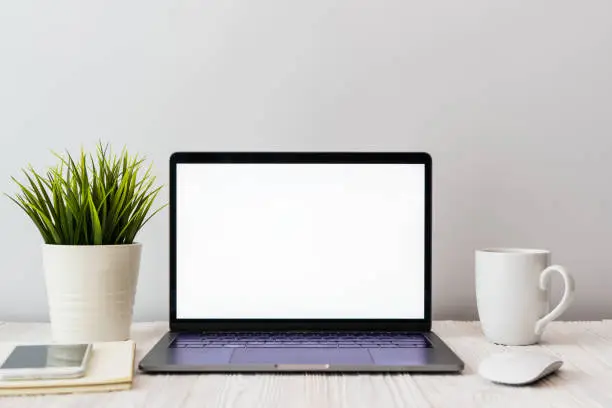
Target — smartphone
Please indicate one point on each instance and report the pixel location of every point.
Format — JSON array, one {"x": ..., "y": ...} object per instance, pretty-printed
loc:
[{"x": 46, "y": 361}]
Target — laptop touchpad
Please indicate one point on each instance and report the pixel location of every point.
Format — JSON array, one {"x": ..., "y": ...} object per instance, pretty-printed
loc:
[{"x": 347, "y": 356}]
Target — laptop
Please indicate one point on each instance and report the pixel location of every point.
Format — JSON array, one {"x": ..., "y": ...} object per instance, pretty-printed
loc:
[{"x": 300, "y": 262}]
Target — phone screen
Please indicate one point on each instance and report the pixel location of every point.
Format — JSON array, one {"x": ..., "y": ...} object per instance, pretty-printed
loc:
[{"x": 46, "y": 356}]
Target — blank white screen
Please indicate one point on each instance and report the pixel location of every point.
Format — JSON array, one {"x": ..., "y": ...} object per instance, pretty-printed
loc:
[{"x": 300, "y": 241}]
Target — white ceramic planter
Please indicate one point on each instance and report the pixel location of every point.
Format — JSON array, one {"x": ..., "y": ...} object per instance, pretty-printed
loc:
[{"x": 91, "y": 290}]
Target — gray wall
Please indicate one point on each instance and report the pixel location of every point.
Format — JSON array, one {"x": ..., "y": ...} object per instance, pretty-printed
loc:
[{"x": 512, "y": 99}]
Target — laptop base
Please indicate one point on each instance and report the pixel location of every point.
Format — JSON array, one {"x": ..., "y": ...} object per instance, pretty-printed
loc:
[{"x": 166, "y": 358}]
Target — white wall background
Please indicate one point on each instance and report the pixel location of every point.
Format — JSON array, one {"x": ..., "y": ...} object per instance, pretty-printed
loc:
[{"x": 513, "y": 100}]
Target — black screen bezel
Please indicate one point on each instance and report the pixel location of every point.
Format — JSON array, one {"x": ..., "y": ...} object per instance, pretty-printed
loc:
[{"x": 423, "y": 324}]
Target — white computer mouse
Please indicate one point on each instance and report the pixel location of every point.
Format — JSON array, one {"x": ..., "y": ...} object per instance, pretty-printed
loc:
[{"x": 518, "y": 367}]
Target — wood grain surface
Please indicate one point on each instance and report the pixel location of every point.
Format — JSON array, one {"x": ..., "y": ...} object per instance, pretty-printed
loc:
[{"x": 585, "y": 380}]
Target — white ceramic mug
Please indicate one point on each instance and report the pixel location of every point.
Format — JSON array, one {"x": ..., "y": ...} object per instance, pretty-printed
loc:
[{"x": 513, "y": 294}]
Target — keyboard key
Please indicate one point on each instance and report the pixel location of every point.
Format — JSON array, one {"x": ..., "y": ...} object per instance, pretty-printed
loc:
[{"x": 263, "y": 346}]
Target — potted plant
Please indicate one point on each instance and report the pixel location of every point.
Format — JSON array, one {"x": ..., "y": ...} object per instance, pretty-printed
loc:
[{"x": 89, "y": 210}]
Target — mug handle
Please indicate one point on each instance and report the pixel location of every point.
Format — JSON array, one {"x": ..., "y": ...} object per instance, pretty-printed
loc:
[{"x": 566, "y": 300}]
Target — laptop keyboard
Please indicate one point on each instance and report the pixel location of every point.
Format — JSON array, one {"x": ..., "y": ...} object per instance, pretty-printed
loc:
[{"x": 300, "y": 340}]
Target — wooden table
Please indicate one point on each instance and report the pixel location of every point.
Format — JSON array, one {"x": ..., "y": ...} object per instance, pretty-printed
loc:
[{"x": 585, "y": 380}]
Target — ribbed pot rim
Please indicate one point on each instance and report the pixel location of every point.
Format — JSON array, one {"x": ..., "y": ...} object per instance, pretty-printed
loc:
[{"x": 135, "y": 244}]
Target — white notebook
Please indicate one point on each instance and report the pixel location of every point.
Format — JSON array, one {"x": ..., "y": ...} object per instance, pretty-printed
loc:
[{"x": 110, "y": 368}]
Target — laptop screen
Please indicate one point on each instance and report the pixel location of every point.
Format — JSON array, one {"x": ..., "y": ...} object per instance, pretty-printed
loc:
[{"x": 300, "y": 241}]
